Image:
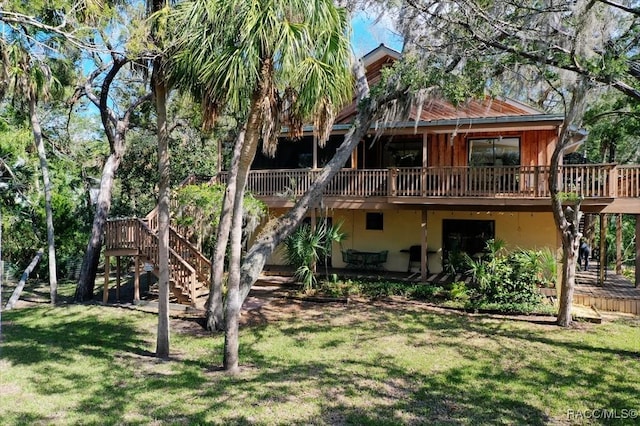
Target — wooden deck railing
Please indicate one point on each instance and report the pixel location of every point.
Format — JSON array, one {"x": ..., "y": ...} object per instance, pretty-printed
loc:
[
  {"x": 134, "y": 234},
  {"x": 585, "y": 180},
  {"x": 190, "y": 254},
  {"x": 628, "y": 181}
]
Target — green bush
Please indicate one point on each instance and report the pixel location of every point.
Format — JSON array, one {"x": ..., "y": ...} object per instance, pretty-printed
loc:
[
  {"x": 306, "y": 246},
  {"x": 424, "y": 292},
  {"x": 459, "y": 292},
  {"x": 376, "y": 288},
  {"x": 508, "y": 281}
]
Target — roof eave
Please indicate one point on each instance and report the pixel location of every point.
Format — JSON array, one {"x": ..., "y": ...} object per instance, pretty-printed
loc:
[{"x": 541, "y": 119}]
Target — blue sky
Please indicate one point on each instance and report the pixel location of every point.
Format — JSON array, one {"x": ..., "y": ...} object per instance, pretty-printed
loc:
[{"x": 368, "y": 34}]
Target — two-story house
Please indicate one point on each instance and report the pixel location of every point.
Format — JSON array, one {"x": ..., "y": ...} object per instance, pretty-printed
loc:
[
  {"x": 446, "y": 181},
  {"x": 456, "y": 178}
]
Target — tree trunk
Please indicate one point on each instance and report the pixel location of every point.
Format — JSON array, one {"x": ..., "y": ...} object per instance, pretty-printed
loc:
[
  {"x": 265, "y": 244},
  {"x": 234, "y": 302},
  {"x": 89, "y": 269},
  {"x": 23, "y": 279},
  {"x": 567, "y": 218},
  {"x": 570, "y": 246},
  {"x": 215, "y": 311},
  {"x": 115, "y": 129},
  {"x": 160, "y": 92},
  {"x": 42, "y": 155}
]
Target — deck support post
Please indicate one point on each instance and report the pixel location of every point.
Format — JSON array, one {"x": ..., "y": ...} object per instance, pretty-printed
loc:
[
  {"x": 619, "y": 244},
  {"x": 105, "y": 292},
  {"x": 118, "y": 278},
  {"x": 314, "y": 145},
  {"x": 637, "y": 283},
  {"x": 314, "y": 223},
  {"x": 425, "y": 163},
  {"x": 603, "y": 249},
  {"x": 136, "y": 279},
  {"x": 423, "y": 252}
]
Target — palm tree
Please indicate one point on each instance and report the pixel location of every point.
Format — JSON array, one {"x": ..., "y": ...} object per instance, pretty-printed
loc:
[
  {"x": 280, "y": 63},
  {"x": 160, "y": 94}
]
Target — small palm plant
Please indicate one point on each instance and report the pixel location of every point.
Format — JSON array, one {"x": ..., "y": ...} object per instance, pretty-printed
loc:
[{"x": 306, "y": 246}]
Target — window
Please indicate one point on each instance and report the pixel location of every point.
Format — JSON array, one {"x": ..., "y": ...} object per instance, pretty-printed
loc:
[
  {"x": 494, "y": 152},
  {"x": 404, "y": 154},
  {"x": 467, "y": 236},
  {"x": 375, "y": 221}
]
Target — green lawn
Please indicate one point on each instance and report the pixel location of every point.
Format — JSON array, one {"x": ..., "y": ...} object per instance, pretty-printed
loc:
[{"x": 362, "y": 363}]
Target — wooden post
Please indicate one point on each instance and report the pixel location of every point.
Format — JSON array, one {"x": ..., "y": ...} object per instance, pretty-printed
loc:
[
  {"x": 425, "y": 163},
  {"x": 619, "y": 244},
  {"x": 314, "y": 224},
  {"x": 117, "y": 278},
  {"x": 105, "y": 293},
  {"x": 423, "y": 254},
  {"x": 136, "y": 279},
  {"x": 637, "y": 250},
  {"x": 612, "y": 181},
  {"x": 603, "y": 248},
  {"x": 314, "y": 147},
  {"x": 393, "y": 176}
]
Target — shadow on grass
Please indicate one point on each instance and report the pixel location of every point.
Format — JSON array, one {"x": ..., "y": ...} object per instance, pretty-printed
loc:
[
  {"x": 62, "y": 332},
  {"x": 489, "y": 371}
]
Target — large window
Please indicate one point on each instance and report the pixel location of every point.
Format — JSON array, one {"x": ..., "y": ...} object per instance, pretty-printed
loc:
[
  {"x": 494, "y": 152},
  {"x": 467, "y": 236}
]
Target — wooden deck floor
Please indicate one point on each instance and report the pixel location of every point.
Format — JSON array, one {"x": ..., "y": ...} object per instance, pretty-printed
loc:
[
  {"x": 614, "y": 285},
  {"x": 617, "y": 294}
]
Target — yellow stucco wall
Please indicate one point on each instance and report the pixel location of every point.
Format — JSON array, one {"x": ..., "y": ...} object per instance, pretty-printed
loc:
[
  {"x": 518, "y": 229},
  {"x": 402, "y": 230}
]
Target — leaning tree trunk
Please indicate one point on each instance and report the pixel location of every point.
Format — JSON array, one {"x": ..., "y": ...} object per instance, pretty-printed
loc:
[
  {"x": 37, "y": 137},
  {"x": 215, "y": 310},
  {"x": 265, "y": 244},
  {"x": 115, "y": 129}
]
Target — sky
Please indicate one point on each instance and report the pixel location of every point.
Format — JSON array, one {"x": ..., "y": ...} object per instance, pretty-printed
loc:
[{"x": 368, "y": 34}]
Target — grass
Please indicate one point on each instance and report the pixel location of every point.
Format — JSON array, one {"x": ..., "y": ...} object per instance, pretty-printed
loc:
[{"x": 362, "y": 363}]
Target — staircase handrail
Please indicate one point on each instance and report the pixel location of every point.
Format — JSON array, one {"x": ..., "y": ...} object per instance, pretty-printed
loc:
[
  {"x": 184, "y": 277},
  {"x": 180, "y": 244}
]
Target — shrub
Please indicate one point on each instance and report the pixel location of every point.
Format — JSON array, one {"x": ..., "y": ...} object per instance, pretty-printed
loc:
[
  {"x": 510, "y": 280},
  {"x": 459, "y": 292},
  {"x": 306, "y": 246}
]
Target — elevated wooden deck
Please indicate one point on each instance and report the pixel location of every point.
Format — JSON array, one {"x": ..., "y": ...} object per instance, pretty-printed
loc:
[
  {"x": 599, "y": 185},
  {"x": 617, "y": 293}
]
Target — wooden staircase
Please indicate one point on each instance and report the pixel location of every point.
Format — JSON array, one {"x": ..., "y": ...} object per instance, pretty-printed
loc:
[{"x": 138, "y": 238}]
